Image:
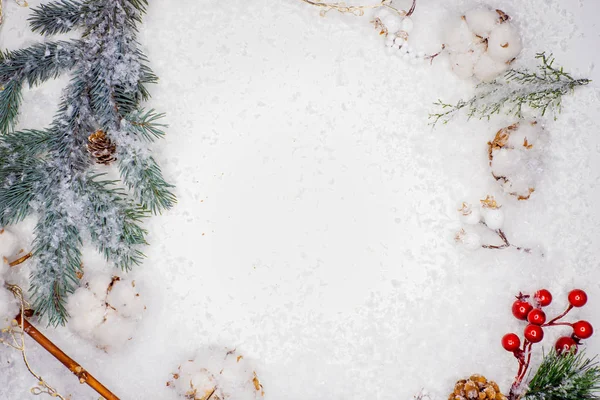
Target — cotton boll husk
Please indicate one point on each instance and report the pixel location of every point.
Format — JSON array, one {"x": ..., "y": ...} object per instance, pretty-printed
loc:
[
  {"x": 9, "y": 244},
  {"x": 98, "y": 284},
  {"x": 463, "y": 64},
  {"x": 481, "y": 21},
  {"x": 86, "y": 311},
  {"x": 460, "y": 39},
  {"x": 114, "y": 332},
  {"x": 506, "y": 161},
  {"x": 504, "y": 43},
  {"x": 494, "y": 218},
  {"x": 486, "y": 69}
]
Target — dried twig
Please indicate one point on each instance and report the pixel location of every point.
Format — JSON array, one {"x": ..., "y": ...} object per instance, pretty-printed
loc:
[
  {"x": 358, "y": 10},
  {"x": 72, "y": 365}
]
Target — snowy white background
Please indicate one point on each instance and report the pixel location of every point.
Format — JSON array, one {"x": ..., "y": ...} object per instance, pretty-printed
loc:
[{"x": 317, "y": 207}]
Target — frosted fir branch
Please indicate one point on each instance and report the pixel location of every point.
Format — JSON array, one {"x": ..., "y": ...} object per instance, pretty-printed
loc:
[
  {"x": 57, "y": 17},
  {"x": 50, "y": 172},
  {"x": 143, "y": 177},
  {"x": 10, "y": 101},
  {"x": 57, "y": 249},
  {"x": 144, "y": 124},
  {"x": 34, "y": 65},
  {"x": 568, "y": 376},
  {"x": 542, "y": 91},
  {"x": 115, "y": 222}
]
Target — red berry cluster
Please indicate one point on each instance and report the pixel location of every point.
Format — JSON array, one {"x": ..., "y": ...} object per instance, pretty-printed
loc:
[{"x": 524, "y": 310}]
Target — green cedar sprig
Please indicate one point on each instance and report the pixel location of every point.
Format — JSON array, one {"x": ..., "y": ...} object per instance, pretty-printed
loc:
[{"x": 540, "y": 90}]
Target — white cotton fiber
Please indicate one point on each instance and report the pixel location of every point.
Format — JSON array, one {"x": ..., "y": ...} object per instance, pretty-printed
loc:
[
  {"x": 493, "y": 218},
  {"x": 86, "y": 311},
  {"x": 114, "y": 331},
  {"x": 482, "y": 21},
  {"x": 463, "y": 64},
  {"x": 9, "y": 244},
  {"x": 504, "y": 43},
  {"x": 98, "y": 284},
  {"x": 460, "y": 38},
  {"x": 505, "y": 162},
  {"x": 486, "y": 69}
]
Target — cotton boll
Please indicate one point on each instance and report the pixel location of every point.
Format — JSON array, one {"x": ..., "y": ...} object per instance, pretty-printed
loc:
[
  {"x": 471, "y": 241},
  {"x": 237, "y": 379},
  {"x": 504, "y": 43},
  {"x": 494, "y": 218},
  {"x": 482, "y": 21},
  {"x": 98, "y": 284},
  {"x": 407, "y": 25},
  {"x": 463, "y": 64},
  {"x": 505, "y": 162},
  {"x": 114, "y": 332},
  {"x": 121, "y": 294},
  {"x": 392, "y": 23},
  {"x": 486, "y": 69},
  {"x": 193, "y": 380},
  {"x": 473, "y": 217},
  {"x": 86, "y": 311},
  {"x": 9, "y": 244},
  {"x": 527, "y": 133},
  {"x": 460, "y": 38}
]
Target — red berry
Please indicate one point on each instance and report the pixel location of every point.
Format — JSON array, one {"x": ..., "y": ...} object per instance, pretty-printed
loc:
[
  {"x": 583, "y": 329},
  {"x": 534, "y": 333},
  {"x": 536, "y": 317},
  {"x": 565, "y": 343},
  {"x": 543, "y": 297},
  {"x": 521, "y": 308},
  {"x": 577, "y": 298},
  {"x": 511, "y": 342}
]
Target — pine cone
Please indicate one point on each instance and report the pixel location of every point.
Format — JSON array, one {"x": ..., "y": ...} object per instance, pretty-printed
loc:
[
  {"x": 101, "y": 147},
  {"x": 476, "y": 388}
]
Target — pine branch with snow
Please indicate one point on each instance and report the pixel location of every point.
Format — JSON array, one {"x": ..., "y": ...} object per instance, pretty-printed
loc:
[
  {"x": 540, "y": 91},
  {"x": 566, "y": 376},
  {"x": 53, "y": 172}
]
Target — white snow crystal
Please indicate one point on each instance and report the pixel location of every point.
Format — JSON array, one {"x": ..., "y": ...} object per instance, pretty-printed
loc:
[
  {"x": 470, "y": 240},
  {"x": 486, "y": 69},
  {"x": 481, "y": 21},
  {"x": 504, "y": 43}
]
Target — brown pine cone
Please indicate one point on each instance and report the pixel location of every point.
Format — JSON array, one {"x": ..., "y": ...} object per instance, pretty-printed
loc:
[
  {"x": 477, "y": 387},
  {"x": 101, "y": 148}
]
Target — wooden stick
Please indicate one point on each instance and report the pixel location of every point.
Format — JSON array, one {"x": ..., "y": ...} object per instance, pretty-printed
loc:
[{"x": 74, "y": 367}]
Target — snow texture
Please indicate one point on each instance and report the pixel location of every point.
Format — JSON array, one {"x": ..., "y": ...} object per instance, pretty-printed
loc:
[{"x": 317, "y": 209}]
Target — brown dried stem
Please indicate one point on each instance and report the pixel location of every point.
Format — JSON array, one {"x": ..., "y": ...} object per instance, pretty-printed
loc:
[
  {"x": 506, "y": 244},
  {"x": 72, "y": 365},
  {"x": 358, "y": 10}
]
